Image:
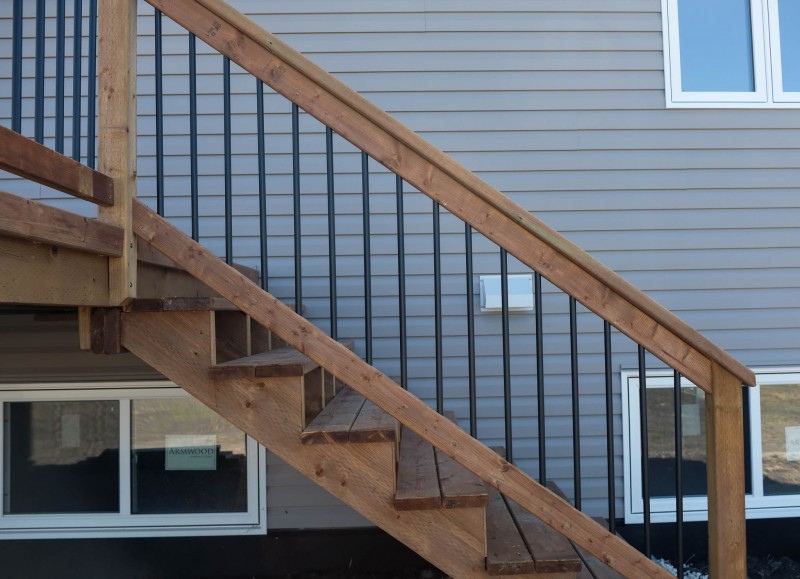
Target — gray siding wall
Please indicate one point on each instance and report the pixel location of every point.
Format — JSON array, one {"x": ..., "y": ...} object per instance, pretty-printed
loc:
[{"x": 559, "y": 104}]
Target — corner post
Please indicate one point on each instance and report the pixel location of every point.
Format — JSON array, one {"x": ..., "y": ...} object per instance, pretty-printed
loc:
[
  {"x": 725, "y": 451},
  {"x": 116, "y": 94}
]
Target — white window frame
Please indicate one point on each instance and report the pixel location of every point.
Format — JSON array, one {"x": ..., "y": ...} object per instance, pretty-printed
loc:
[
  {"x": 124, "y": 523},
  {"x": 767, "y": 70},
  {"x": 695, "y": 508}
]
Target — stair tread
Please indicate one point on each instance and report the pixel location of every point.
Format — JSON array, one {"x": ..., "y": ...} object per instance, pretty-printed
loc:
[
  {"x": 373, "y": 425},
  {"x": 460, "y": 488},
  {"x": 334, "y": 423},
  {"x": 506, "y": 552},
  {"x": 279, "y": 363}
]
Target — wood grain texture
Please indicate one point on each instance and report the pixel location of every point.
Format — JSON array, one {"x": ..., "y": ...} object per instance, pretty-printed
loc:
[
  {"x": 283, "y": 362},
  {"x": 459, "y": 487},
  {"x": 333, "y": 424},
  {"x": 34, "y": 221},
  {"x": 454, "y": 187},
  {"x": 156, "y": 281},
  {"x": 33, "y": 273},
  {"x": 193, "y": 304},
  {"x": 417, "y": 477},
  {"x": 551, "y": 552},
  {"x": 231, "y": 335},
  {"x": 726, "y": 481},
  {"x": 27, "y": 158},
  {"x": 362, "y": 475},
  {"x": 116, "y": 132},
  {"x": 373, "y": 425},
  {"x": 380, "y": 389},
  {"x": 506, "y": 552}
]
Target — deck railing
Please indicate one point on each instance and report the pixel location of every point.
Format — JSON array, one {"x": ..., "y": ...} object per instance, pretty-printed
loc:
[{"x": 461, "y": 201}]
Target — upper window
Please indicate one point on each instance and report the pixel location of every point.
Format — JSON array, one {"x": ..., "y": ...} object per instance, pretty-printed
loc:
[{"x": 731, "y": 53}]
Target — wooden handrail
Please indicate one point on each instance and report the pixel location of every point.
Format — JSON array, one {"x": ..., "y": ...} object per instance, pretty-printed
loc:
[
  {"x": 464, "y": 194},
  {"x": 337, "y": 359},
  {"x": 27, "y": 158}
]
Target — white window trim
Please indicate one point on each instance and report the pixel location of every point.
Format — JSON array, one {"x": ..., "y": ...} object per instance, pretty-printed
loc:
[
  {"x": 125, "y": 524},
  {"x": 662, "y": 510},
  {"x": 766, "y": 64}
]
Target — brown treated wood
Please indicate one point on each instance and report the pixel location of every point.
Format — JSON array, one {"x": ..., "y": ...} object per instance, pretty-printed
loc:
[
  {"x": 451, "y": 185},
  {"x": 506, "y": 553},
  {"x": 260, "y": 338},
  {"x": 193, "y": 304},
  {"x": 283, "y": 362},
  {"x": 33, "y": 273},
  {"x": 27, "y": 158},
  {"x": 551, "y": 552},
  {"x": 105, "y": 331},
  {"x": 34, "y": 221},
  {"x": 84, "y": 328},
  {"x": 116, "y": 132},
  {"x": 362, "y": 475},
  {"x": 156, "y": 281},
  {"x": 232, "y": 335},
  {"x": 333, "y": 424},
  {"x": 417, "y": 478},
  {"x": 313, "y": 394},
  {"x": 725, "y": 451},
  {"x": 459, "y": 487},
  {"x": 373, "y": 425},
  {"x": 145, "y": 253},
  {"x": 380, "y": 389}
]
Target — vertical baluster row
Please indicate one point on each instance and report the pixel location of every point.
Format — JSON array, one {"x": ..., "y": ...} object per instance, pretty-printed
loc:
[
  {"x": 576, "y": 408},
  {"x": 643, "y": 435},
  {"x": 473, "y": 394},
  {"x": 298, "y": 246},
  {"x": 39, "y": 72},
  {"x": 505, "y": 322},
  {"x": 401, "y": 283},
  {"x": 331, "y": 232},
  {"x": 194, "y": 188},
  {"x": 609, "y": 426},
  {"x": 367, "y": 257},
  {"x": 159, "y": 61},
  {"x": 262, "y": 185},
  {"x": 437, "y": 307},
  {"x": 91, "y": 81},
  {"x": 61, "y": 33},
  {"x": 77, "y": 94},
  {"x": 540, "y": 418},
  {"x": 226, "y": 93}
]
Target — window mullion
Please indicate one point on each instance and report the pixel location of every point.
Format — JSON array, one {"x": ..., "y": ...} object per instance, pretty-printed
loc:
[{"x": 125, "y": 457}]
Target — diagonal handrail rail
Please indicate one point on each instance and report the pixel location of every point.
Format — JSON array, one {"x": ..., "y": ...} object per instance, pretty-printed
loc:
[{"x": 464, "y": 194}]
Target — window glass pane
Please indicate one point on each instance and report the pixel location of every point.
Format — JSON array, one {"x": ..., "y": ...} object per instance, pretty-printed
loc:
[
  {"x": 661, "y": 441},
  {"x": 716, "y": 46},
  {"x": 780, "y": 438},
  {"x": 789, "y": 17},
  {"x": 61, "y": 457},
  {"x": 185, "y": 459}
]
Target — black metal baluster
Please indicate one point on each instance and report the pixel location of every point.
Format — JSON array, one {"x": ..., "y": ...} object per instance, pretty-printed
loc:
[
  {"x": 576, "y": 409},
  {"x": 643, "y": 434},
  {"x": 676, "y": 377},
  {"x": 77, "y": 94},
  {"x": 506, "y": 355},
  {"x": 39, "y": 82},
  {"x": 473, "y": 395},
  {"x": 331, "y": 232},
  {"x": 16, "y": 68},
  {"x": 367, "y": 257},
  {"x": 609, "y": 427},
  {"x": 61, "y": 33},
  {"x": 437, "y": 307},
  {"x": 194, "y": 184},
  {"x": 91, "y": 80},
  {"x": 401, "y": 283},
  {"x": 262, "y": 184},
  {"x": 298, "y": 246},
  {"x": 537, "y": 294},
  {"x": 159, "y": 116},
  {"x": 226, "y": 75}
]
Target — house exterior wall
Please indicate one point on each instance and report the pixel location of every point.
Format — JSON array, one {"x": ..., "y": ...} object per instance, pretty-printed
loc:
[{"x": 561, "y": 106}]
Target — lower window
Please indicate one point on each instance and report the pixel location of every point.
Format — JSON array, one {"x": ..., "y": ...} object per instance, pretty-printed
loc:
[
  {"x": 772, "y": 446},
  {"x": 124, "y": 459}
]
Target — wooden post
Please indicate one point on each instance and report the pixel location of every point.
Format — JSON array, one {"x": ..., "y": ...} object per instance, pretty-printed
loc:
[
  {"x": 117, "y": 132},
  {"x": 725, "y": 448}
]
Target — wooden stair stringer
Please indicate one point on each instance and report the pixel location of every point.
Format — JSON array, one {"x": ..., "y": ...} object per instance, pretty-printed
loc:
[{"x": 178, "y": 344}]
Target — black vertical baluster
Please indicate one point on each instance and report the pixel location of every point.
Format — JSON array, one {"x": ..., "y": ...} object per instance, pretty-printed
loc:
[
  {"x": 226, "y": 74},
  {"x": 678, "y": 474},
  {"x": 159, "y": 116},
  {"x": 537, "y": 294},
  {"x": 643, "y": 434},
  {"x": 437, "y": 306},
  {"x": 61, "y": 22},
  {"x": 506, "y": 355},
  {"x": 609, "y": 428},
  {"x": 331, "y": 231},
  {"x": 367, "y": 258},
  {"x": 401, "y": 283},
  {"x": 298, "y": 246},
  {"x": 194, "y": 185},
  {"x": 16, "y": 68},
  {"x": 473, "y": 395},
  {"x": 77, "y": 95},
  {"x": 576, "y": 408},
  {"x": 39, "y": 98},
  {"x": 91, "y": 80},
  {"x": 262, "y": 184}
]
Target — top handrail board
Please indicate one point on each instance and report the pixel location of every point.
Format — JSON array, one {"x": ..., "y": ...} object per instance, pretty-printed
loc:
[
  {"x": 27, "y": 158},
  {"x": 397, "y": 147}
]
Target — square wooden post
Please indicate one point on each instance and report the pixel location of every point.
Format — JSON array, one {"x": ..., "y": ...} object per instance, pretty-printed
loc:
[
  {"x": 116, "y": 95},
  {"x": 725, "y": 449}
]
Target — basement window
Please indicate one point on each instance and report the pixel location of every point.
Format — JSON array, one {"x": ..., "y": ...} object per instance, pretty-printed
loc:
[
  {"x": 772, "y": 446},
  {"x": 124, "y": 459}
]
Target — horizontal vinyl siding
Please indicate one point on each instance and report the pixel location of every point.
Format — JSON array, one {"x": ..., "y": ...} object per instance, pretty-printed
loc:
[{"x": 560, "y": 104}]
